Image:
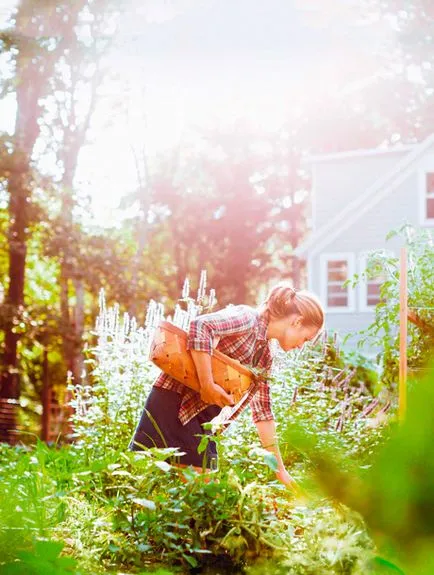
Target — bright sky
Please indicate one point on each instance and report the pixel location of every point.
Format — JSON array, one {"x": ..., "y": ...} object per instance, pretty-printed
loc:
[{"x": 209, "y": 64}]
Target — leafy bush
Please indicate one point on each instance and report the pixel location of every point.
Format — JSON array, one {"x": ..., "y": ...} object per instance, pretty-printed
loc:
[
  {"x": 328, "y": 396},
  {"x": 117, "y": 509},
  {"x": 383, "y": 333},
  {"x": 396, "y": 494},
  {"x": 43, "y": 559},
  {"x": 105, "y": 413}
]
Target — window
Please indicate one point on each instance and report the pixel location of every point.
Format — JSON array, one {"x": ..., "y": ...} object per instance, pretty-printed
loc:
[
  {"x": 337, "y": 274},
  {"x": 429, "y": 199},
  {"x": 426, "y": 197},
  {"x": 373, "y": 291},
  {"x": 370, "y": 286},
  {"x": 336, "y": 269}
]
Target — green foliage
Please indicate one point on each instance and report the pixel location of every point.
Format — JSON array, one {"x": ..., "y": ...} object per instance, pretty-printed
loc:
[
  {"x": 133, "y": 509},
  {"x": 333, "y": 541},
  {"x": 239, "y": 204},
  {"x": 243, "y": 513},
  {"x": 106, "y": 412},
  {"x": 395, "y": 494},
  {"x": 29, "y": 506},
  {"x": 117, "y": 509},
  {"x": 330, "y": 396},
  {"x": 383, "y": 333},
  {"x": 43, "y": 559}
]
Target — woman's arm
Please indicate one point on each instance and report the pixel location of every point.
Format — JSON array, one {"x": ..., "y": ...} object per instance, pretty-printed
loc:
[
  {"x": 268, "y": 438},
  {"x": 232, "y": 321},
  {"x": 202, "y": 335},
  {"x": 210, "y": 392}
]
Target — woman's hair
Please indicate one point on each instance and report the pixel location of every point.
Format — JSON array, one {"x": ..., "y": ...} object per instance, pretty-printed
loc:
[{"x": 283, "y": 300}]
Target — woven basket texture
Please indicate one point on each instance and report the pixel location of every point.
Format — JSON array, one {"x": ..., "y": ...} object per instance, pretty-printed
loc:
[{"x": 169, "y": 352}]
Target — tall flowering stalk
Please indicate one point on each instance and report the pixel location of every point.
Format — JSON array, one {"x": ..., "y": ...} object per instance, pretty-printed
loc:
[
  {"x": 202, "y": 287},
  {"x": 106, "y": 412},
  {"x": 202, "y": 304}
]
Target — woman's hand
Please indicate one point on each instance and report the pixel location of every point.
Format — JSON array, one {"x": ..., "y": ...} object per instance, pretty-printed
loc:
[
  {"x": 283, "y": 476},
  {"x": 215, "y": 395},
  {"x": 210, "y": 392}
]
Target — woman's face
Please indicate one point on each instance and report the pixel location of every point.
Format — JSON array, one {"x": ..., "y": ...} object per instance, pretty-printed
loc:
[{"x": 294, "y": 334}]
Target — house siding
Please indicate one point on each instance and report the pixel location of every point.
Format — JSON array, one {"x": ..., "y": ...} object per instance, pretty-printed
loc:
[
  {"x": 368, "y": 233},
  {"x": 351, "y": 323},
  {"x": 337, "y": 183}
]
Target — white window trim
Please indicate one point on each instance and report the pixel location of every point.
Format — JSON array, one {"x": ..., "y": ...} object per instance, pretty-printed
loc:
[
  {"x": 423, "y": 220},
  {"x": 314, "y": 199},
  {"x": 324, "y": 259},
  {"x": 310, "y": 280},
  {"x": 363, "y": 285}
]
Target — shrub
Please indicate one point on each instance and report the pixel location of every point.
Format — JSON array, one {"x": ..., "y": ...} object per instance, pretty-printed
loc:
[{"x": 383, "y": 333}]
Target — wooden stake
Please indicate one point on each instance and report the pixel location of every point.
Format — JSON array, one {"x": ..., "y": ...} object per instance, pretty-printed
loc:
[{"x": 403, "y": 328}]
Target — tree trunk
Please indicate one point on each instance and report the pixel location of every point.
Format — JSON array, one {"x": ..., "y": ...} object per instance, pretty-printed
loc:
[
  {"x": 72, "y": 320},
  {"x": 34, "y": 67},
  {"x": 79, "y": 330},
  {"x": 29, "y": 90},
  {"x": 15, "y": 296},
  {"x": 46, "y": 399},
  {"x": 67, "y": 335}
]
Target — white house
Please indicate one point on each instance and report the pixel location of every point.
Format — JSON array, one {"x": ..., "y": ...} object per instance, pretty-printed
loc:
[{"x": 357, "y": 198}]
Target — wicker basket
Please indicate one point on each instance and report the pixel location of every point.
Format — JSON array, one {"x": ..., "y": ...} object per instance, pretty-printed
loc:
[{"x": 169, "y": 352}]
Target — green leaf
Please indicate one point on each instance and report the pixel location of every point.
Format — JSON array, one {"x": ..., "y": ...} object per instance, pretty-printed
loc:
[
  {"x": 66, "y": 563},
  {"x": 147, "y": 503},
  {"x": 388, "y": 565},
  {"x": 163, "y": 465},
  {"x": 193, "y": 562},
  {"x": 143, "y": 547},
  {"x": 203, "y": 444},
  {"x": 121, "y": 473},
  {"x": 16, "y": 568},
  {"x": 270, "y": 460},
  {"x": 49, "y": 550}
]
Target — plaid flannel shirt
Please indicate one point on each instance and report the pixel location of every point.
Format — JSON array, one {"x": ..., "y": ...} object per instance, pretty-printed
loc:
[{"x": 242, "y": 336}]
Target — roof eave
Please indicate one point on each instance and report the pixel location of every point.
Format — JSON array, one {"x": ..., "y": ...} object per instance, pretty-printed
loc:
[{"x": 320, "y": 158}]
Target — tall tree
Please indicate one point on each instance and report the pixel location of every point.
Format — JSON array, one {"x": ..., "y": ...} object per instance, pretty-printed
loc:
[
  {"x": 39, "y": 36},
  {"x": 382, "y": 55},
  {"x": 80, "y": 73},
  {"x": 229, "y": 204}
]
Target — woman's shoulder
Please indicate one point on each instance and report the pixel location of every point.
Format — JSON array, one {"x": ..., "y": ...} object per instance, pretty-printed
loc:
[
  {"x": 231, "y": 313},
  {"x": 242, "y": 309}
]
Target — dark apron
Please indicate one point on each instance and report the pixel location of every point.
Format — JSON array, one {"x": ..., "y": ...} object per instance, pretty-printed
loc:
[{"x": 159, "y": 426}]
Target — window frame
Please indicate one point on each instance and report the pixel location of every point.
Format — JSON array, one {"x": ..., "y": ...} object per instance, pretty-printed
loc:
[
  {"x": 325, "y": 258},
  {"x": 424, "y": 196},
  {"x": 363, "y": 285}
]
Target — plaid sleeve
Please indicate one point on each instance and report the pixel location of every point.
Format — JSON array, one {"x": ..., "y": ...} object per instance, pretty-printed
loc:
[
  {"x": 260, "y": 404},
  {"x": 229, "y": 321}
]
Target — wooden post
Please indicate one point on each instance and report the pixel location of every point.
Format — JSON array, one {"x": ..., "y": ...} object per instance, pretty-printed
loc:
[{"x": 403, "y": 328}]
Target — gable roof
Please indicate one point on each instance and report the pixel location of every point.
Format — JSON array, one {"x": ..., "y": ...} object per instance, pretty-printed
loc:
[
  {"x": 350, "y": 154},
  {"x": 364, "y": 202}
]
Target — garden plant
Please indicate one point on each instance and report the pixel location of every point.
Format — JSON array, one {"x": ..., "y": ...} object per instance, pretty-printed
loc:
[{"x": 91, "y": 506}]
